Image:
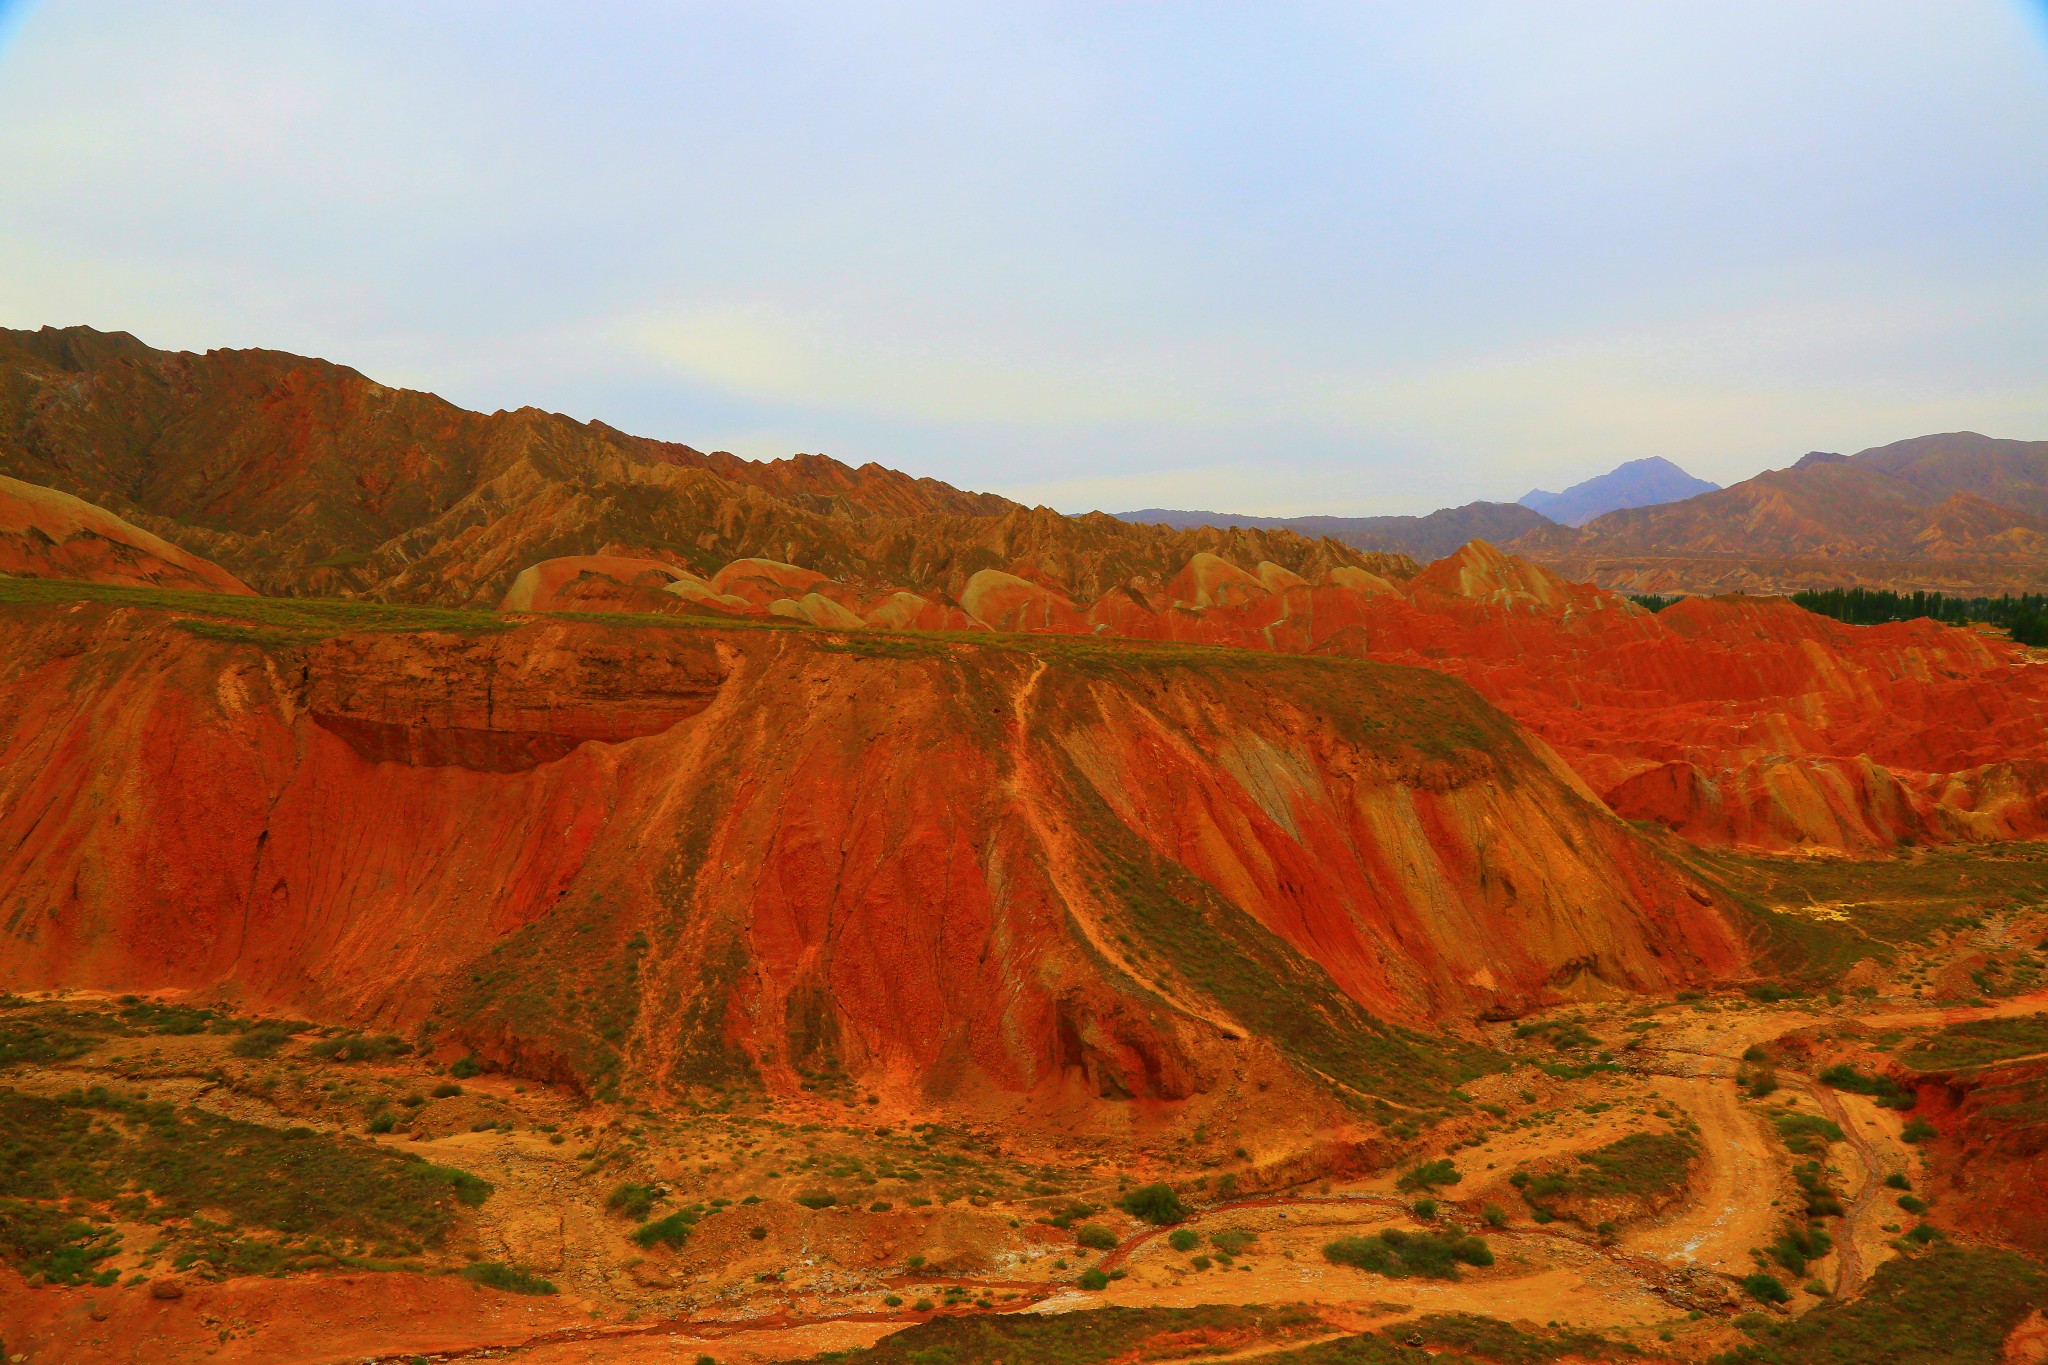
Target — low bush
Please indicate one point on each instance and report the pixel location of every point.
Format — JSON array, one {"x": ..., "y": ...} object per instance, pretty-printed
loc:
[
  {"x": 817, "y": 1199},
  {"x": 672, "y": 1231},
  {"x": 262, "y": 1041},
  {"x": 1233, "y": 1241},
  {"x": 1797, "y": 1245},
  {"x": 1881, "y": 1088},
  {"x": 1181, "y": 1239},
  {"x": 1093, "y": 1279},
  {"x": 1397, "y": 1254},
  {"x": 1919, "y": 1130},
  {"x": 511, "y": 1279},
  {"x": 1430, "y": 1176},
  {"x": 1154, "y": 1204},
  {"x": 1799, "y": 1131},
  {"x": 631, "y": 1200},
  {"x": 1096, "y": 1237},
  {"x": 1764, "y": 1288}
]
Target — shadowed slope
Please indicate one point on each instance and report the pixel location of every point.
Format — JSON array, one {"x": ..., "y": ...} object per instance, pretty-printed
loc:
[{"x": 305, "y": 477}]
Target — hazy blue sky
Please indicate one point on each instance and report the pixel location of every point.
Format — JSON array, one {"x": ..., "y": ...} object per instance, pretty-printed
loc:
[{"x": 1262, "y": 257}]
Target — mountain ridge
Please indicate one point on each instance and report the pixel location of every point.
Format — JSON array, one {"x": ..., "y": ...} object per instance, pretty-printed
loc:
[
  {"x": 305, "y": 478},
  {"x": 1426, "y": 537}
]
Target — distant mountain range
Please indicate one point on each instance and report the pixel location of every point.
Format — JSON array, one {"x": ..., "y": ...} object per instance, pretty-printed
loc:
[
  {"x": 1424, "y": 538},
  {"x": 1639, "y": 483},
  {"x": 1959, "y": 513}
]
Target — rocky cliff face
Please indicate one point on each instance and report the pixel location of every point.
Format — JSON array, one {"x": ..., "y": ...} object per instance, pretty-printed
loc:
[{"x": 719, "y": 859}]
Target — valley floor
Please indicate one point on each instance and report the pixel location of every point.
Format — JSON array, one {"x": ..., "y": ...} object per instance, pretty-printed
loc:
[{"x": 843, "y": 1276}]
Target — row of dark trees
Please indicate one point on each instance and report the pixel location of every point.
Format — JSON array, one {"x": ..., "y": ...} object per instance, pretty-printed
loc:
[{"x": 2024, "y": 616}]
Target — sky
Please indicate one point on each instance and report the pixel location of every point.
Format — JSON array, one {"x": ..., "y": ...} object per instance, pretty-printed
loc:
[{"x": 1273, "y": 259}]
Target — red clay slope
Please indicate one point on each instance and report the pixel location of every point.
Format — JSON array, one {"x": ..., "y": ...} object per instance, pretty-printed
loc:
[
  {"x": 48, "y": 534},
  {"x": 719, "y": 858}
]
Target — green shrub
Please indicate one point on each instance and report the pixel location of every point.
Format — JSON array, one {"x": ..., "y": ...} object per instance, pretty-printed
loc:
[
  {"x": 926, "y": 1305},
  {"x": 1182, "y": 1239},
  {"x": 1797, "y": 1245},
  {"x": 508, "y": 1278},
  {"x": 672, "y": 1231},
  {"x": 1154, "y": 1204},
  {"x": 1093, "y": 1279},
  {"x": 1397, "y": 1254},
  {"x": 892, "y": 1300},
  {"x": 1765, "y": 1288},
  {"x": 1095, "y": 1236},
  {"x": 383, "y": 1121},
  {"x": 1897, "y": 1180},
  {"x": 1798, "y": 1131},
  {"x": 261, "y": 1041},
  {"x": 1912, "y": 1205},
  {"x": 465, "y": 1067},
  {"x": 759, "y": 1234},
  {"x": 1494, "y": 1216},
  {"x": 1425, "y": 1209},
  {"x": 631, "y": 1200},
  {"x": 1430, "y": 1175},
  {"x": 446, "y": 1090},
  {"x": 1919, "y": 1130},
  {"x": 1883, "y": 1089},
  {"x": 1201, "y": 1262},
  {"x": 817, "y": 1199},
  {"x": 1233, "y": 1241}
]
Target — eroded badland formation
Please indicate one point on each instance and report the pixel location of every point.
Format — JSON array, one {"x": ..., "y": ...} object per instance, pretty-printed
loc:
[{"x": 493, "y": 886}]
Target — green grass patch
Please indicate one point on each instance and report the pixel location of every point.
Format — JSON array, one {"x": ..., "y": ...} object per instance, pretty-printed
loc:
[
  {"x": 240, "y": 1197},
  {"x": 258, "y": 620},
  {"x": 1979, "y": 1042},
  {"x": 1944, "y": 1306},
  {"x": 1893, "y": 903},
  {"x": 1645, "y": 1165},
  {"x": 1077, "y": 1338}
]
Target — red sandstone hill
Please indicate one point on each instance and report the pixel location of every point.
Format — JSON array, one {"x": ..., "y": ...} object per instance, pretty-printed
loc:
[
  {"x": 1957, "y": 513},
  {"x": 47, "y": 534},
  {"x": 306, "y": 478},
  {"x": 1733, "y": 720},
  {"x": 703, "y": 856}
]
